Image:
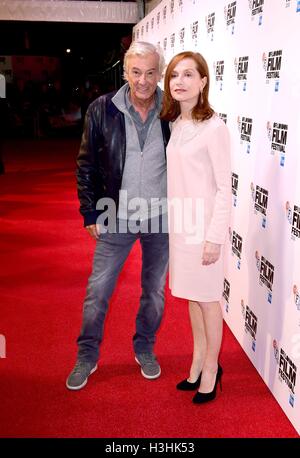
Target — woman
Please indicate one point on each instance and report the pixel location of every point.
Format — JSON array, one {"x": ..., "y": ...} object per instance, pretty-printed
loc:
[{"x": 199, "y": 179}]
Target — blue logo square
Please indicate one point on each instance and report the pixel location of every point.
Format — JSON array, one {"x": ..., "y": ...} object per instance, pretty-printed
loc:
[
  {"x": 282, "y": 159},
  {"x": 260, "y": 20},
  {"x": 239, "y": 264},
  {"x": 276, "y": 86},
  {"x": 264, "y": 222},
  {"x": 270, "y": 298},
  {"x": 298, "y": 7},
  {"x": 253, "y": 345},
  {"x": 291, "y": 400}
]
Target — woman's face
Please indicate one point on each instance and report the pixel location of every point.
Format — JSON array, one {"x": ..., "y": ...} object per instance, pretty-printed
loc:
[{"x": 186, "y": 82}]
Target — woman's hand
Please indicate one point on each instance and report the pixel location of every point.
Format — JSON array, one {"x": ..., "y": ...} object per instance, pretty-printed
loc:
[{"x": 211, "y": 253}]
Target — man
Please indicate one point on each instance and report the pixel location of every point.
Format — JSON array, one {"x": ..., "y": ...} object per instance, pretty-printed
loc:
[{"x": 122, "y": 162}]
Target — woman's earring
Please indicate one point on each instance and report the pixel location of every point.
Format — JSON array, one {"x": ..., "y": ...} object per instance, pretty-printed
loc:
[{"x": 201, "y": 98}]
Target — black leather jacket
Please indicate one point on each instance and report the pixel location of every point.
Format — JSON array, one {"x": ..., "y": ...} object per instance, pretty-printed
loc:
[{"x": 101, "y": 158}]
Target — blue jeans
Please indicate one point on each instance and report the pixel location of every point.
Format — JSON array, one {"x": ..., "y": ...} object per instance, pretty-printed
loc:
[{"x": 111, "y": 252}]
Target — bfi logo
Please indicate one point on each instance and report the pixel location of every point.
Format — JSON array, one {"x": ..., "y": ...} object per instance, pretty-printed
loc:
[
  {"x": 251, "y": 322},
  {"x": 256, "y": 6},
  {"x": 246, "y": 129},
  {"x": 231, "y": 13},
  {"x": 279, "y": 136},
  {"x": 274, "y": 63},
  {"x": 296, "y": 221},
  {"x": 261, "y": 200},
  {"x": 266, "y": 273}
]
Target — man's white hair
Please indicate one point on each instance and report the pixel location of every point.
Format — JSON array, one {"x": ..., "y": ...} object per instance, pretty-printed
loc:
[{"x": 143, "y": 48}]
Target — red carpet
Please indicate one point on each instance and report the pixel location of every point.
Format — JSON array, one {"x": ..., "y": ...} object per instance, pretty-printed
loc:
[{"x": 46, "y": 258}]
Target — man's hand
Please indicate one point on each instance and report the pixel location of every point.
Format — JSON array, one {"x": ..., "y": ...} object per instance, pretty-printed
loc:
[
  {"x": 93, "y": 230},
  {"x": 211, "y": 253}
]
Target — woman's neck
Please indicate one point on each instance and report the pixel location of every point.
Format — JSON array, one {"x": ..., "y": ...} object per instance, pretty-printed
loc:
[{"x": 186, "y": 111}]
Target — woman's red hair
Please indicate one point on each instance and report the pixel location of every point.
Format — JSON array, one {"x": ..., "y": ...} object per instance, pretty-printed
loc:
[{"x": 170, "y": 107}]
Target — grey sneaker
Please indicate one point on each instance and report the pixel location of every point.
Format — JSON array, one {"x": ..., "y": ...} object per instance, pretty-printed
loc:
[
  {"x": 150, "y": 368},
  {"x": 80, "y": 374}
]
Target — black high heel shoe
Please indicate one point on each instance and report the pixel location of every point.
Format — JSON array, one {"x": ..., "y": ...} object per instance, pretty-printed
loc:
[
  {"x": 201, "y": 398},
  {"x": 189, "y": 386}
]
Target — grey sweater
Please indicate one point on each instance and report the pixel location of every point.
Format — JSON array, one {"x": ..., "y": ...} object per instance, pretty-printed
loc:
[{"x": 144, "y": 183}]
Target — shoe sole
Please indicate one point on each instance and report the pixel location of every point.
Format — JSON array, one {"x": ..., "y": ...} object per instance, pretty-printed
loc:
[
  {"x": 149, "y": 377},
  {"x": 75, "y": 388}
]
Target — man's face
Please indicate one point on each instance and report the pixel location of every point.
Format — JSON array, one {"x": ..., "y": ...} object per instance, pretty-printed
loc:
[{"x": 142, "y": 75}]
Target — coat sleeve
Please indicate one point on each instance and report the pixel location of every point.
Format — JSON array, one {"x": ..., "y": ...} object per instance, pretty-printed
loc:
[
  {"x": 220, "y": 156},
  {"x": 87, "y": 172}
]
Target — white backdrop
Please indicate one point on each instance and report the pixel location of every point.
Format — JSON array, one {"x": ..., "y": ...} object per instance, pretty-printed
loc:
[{"x": 251, "y": 47}]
